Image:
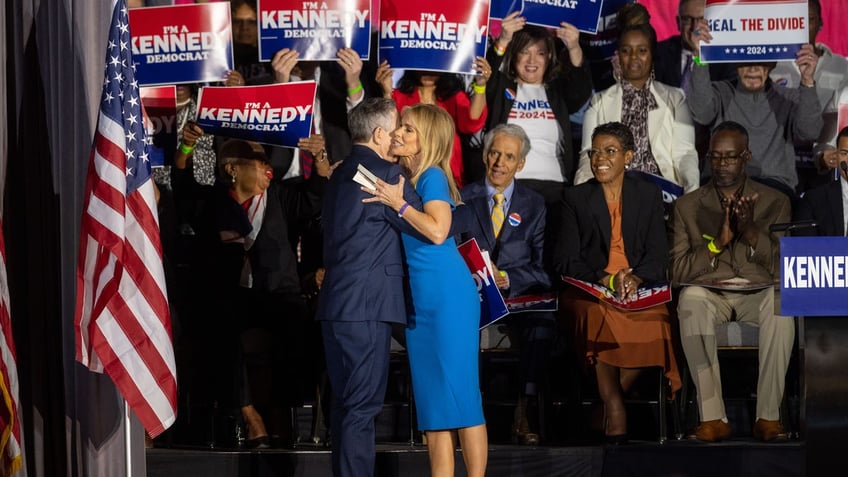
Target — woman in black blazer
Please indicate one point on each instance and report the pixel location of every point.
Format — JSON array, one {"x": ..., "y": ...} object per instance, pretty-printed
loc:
[{"x": 613, "y": 234}]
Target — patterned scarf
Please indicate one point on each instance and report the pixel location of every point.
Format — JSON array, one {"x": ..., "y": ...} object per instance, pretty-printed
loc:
[{"x": 634, "y": 113}]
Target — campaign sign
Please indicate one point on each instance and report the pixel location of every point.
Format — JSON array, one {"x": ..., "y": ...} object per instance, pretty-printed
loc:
[
  {"x": 439, "y": 35},
  {"x": 602, "y": 45},
  {"x": 647, "y": 295},
  {"x": 501, "y": 8},
  {"x": 671, "y": 191},
  {"x": 278, "y": 114},
  {"x": 492, "y": 306},
  {"x": 814, "y": 276},
  {"x": 317, "y": 30},
  {"x": 159, "y": 107},
  {"x": 754, "y": 30},
  {"x": 182, "y": 43},
  {"x": 529, "y": 303},
  {"x": 583, "y": 14}
]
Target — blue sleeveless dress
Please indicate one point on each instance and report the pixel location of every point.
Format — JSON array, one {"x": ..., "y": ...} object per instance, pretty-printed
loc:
[{"x": 442, "y": 334}]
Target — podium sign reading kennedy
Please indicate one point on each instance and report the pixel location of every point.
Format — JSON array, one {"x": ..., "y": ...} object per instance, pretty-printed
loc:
[
  {"x": 814, "y": 276},
  {"x": 182, "y": 43},
  {"x": 583, "y": 14},
  {"x": 278, "y": 114},
  {"x": 438, "y": 35},
  {"x": 754, "y": 30},
  {"x": 315, "y": 29}
]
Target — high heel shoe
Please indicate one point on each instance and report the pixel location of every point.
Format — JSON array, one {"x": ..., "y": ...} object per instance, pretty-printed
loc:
[{"x": 521, "y": 434}]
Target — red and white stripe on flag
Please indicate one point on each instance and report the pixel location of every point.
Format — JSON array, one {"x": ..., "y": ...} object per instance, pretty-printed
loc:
[
  {"x": 11, "y": 456},
  {"x": 122, "y": 322}
]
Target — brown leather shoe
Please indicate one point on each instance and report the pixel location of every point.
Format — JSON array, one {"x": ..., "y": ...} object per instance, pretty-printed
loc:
[
  {"x": 768, "y": 431},
  {"x": 711, "y": 431}
]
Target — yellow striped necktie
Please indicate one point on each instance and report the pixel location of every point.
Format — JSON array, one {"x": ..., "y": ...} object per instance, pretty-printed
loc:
[{"x": 497, "y": 214}]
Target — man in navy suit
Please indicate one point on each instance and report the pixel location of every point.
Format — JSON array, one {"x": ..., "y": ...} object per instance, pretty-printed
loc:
[
  {"x": 516, "y": 252},
  {"x": 826, "y": 204},
  {"x": 363, "y": 292}
]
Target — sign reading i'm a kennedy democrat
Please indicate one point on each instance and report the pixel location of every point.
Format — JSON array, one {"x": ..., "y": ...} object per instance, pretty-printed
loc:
[
  {"x": 583, "y": 14},
  {"x": 278, "y": 114},
  {"x": 159, "y": 108},
  {"x": 315, "y": 29},
  {"x": 754, "y": 30},
  {"x": 182, "y": 43},
  {"x": 492, "y": 305},
  {"x": 814, "y": 276},
  {"x": 438, "y": 35}
]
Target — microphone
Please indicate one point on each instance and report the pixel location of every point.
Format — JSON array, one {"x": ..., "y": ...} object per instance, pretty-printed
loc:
[{"x": 790, "y": 226}]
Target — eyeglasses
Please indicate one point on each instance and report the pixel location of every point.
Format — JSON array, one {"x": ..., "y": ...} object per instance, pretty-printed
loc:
[
  {"x": 729, "y": 159},
  {"x": 686, "y": 19},
  {"x": 608, "y": 152}
]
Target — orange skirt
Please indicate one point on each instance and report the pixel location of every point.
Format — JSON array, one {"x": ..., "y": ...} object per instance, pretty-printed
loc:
[{"x": 625, "y": 339}]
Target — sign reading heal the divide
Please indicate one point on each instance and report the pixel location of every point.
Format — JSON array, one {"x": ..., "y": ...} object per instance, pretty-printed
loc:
[
  {"x": 159, "y": 107},
  {"x": 182, "y": 43},
  {"x": 814, "y": 276},
  {"x": 492, "y": 305},
  {"x": 278, "y": 114},
  {"x": 754, "y": 30},
  {"x": 438, "y": 35},
  {"x": 315, "y": 29},
  {"x": 583, "y": 14}
]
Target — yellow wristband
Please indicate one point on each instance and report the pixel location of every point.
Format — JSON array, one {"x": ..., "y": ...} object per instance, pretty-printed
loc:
[
  {"x": 712, "y": 247},
  {"x": 478, "y": 89},
  {"x": 611, "y": 283},
  {"x": 353, "y": 91},
  {"x": 186, "y": 149}
]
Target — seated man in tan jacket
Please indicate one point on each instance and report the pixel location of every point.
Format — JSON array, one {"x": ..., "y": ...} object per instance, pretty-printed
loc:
[{"x": 721, "y": 245}]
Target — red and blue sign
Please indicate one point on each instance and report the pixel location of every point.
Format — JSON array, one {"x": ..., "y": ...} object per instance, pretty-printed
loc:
[
  {"x": 278, "y": 114},
  {"x": 317, "y": 30},
  {"x": 492, "y": 305},
  {"x": 583, "y": 14},
  {"x": 182, "y": 43},
  {"x": 438, "y": 35},
  {"x": 814, "y": 276},
  {"x": 159, "y": 109},
  {"x": 749, "y": 31}
]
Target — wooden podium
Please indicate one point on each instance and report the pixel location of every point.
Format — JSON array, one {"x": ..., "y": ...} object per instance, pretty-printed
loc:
[{"x": 823, "y": 331}]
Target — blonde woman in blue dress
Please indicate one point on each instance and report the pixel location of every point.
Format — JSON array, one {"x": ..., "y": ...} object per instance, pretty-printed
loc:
[{"x": 444, "y": 313}]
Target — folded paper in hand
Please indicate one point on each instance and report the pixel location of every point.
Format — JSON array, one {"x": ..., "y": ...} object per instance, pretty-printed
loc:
[{"x": 365, "y": 178}]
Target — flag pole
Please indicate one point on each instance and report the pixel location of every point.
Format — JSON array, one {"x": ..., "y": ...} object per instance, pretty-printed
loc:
[{"x": 128, "y": 438}]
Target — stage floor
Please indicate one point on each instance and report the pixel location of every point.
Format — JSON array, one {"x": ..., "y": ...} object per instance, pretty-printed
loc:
[{"x": 737, "y": 457}]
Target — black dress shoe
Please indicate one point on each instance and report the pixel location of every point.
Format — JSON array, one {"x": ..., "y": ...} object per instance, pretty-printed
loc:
[
  {"x": 263, "y": 442},
  {"x": 616, "y": 440}
]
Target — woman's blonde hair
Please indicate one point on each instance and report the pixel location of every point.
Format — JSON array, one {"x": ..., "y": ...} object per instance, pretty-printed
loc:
[{"x": 436, "y": 133}]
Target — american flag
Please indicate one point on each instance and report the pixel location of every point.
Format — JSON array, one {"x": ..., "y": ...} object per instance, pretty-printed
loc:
[
  {"x": 122, "y": 322},
  {"x": 11, "y": 457}
]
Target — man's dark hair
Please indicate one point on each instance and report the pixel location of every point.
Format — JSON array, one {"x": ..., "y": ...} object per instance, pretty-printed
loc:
[
  {"x": 734, "y": 127},
  {"x": 842, "y": 133}
]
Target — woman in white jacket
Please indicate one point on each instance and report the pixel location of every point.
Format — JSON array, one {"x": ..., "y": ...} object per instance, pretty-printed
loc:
[{"x": 656, "y": 113}]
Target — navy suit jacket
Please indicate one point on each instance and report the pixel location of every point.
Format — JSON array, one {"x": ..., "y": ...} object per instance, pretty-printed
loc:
[
  {"x": 824, "y": 205},
  {"x": 518, "y": 250},
  {"x": 667, "y": 66},
  {"x": 582, "y": 250},
  {"x": 363, "y": 257}
]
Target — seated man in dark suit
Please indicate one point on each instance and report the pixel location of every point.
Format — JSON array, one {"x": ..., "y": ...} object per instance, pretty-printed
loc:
[
  {"x": 826, "y": 204},
  {"x": 509, "y": 222},
  {"x": 727, "y": 260}
]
